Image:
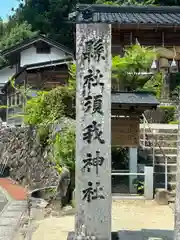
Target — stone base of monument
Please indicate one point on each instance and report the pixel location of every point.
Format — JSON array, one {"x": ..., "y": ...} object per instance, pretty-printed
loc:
[{"x": 114, "y": 236}]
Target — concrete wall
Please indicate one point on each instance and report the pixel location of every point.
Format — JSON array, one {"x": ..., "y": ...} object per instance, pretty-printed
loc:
[{"x": 29, "y": 56}]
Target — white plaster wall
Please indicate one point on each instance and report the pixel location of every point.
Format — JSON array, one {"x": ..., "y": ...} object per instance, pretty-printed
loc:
[
  {"x": 29, "y": 56},
  {"x": 6, "y": 74}
]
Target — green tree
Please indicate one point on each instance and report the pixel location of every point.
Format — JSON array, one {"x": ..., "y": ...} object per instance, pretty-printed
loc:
[
  {"x": 49, "y": 17},
  {"x": 15, "y": 35},
  {"x": 130, "y": 71},
  {"x": 49, "y": 109}
]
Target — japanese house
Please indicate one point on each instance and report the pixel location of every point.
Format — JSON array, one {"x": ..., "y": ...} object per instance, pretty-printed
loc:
[{"x": 39, "y": 63}]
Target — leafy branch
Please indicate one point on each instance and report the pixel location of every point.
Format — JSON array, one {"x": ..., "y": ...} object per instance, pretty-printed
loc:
[{"x": 131, "y": 72}]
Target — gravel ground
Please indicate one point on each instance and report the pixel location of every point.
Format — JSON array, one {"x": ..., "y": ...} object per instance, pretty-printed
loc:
[{"x": 146, "y": 218}]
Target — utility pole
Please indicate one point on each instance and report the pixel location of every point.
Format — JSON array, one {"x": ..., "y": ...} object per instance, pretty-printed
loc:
[{"x": 177, "y": 202}]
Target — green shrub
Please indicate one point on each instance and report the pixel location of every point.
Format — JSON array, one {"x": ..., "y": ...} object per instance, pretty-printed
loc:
[
  {"x": 64, "y": 148},
  {"x": 43, "y": 135},
  {"x": 169, "y": 113},
  {"x": 139, "y": 185}
]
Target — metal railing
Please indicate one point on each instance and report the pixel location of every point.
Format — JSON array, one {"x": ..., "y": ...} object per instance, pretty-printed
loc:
[
  {"x": 154, "y": 143},
  {"x": 126, "y": 174},
  {"x": 148, "y": 183}
]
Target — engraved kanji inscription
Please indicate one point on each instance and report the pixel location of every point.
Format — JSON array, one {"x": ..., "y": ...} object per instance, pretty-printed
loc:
[
  {"x": 97, "y": 104},
  {"x": 93, "y": 132},
  {"x": 93, "y": 103},
  {"x": 91, "y": 193},
  {"x": 90, "y": 162},
  {"x": 94, "y": 49},
  {"x": 88, "y": 103},
  {"x": 92, "y": 78}
]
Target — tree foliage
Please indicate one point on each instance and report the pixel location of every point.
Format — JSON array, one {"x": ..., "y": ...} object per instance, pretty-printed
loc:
[
  {"x": 64, "y": 148},
  {"x": 10, "y": 36},
  {"x": 47, "y": 109},
  {"x": 15, "y": 35},
  {"x": 50, "y": 17},
  {"x": 130, "y": 71}
]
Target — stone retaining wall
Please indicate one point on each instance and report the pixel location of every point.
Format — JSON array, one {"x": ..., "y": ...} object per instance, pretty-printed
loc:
[{"x": 27, "y": 160}]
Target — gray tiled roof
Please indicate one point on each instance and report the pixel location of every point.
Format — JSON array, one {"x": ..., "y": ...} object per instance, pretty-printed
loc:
[
  {"x": 134, "y": 98},
  {"x": 161, "y": 15}
]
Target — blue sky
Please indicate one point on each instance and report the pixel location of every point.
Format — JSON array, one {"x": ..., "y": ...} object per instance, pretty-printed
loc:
[{"x": 6, "y": 6}]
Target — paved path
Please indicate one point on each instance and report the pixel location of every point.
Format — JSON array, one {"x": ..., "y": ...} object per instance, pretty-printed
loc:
[
  {"x": 3, "y": 201},
  {"x": 134, "y": 220},
  {"x": 10, "y": 219},
  {"x": 13, "y": 205}
]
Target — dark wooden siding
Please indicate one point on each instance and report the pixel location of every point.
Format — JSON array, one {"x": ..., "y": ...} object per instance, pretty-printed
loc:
[
  {"x": 47, "y": 78},
  {"x": 122, "y": 37}
]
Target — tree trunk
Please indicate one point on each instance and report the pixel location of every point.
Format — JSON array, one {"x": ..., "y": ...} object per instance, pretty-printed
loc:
[{"x": 177, "y": 203}]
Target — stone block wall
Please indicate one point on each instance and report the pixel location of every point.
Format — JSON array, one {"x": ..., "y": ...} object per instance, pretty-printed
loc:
[{"x": 27, "y": 160}]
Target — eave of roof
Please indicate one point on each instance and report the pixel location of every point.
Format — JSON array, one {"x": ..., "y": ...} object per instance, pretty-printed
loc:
[
  {"x": 151, "y": 15},
  {"x": 49, "y": 63},
  {"x": 134, "y": 98},
  {"x": 26, "y": 43}
]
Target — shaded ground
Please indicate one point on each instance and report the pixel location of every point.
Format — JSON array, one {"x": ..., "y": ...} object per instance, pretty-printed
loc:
[{"x": 134, "y": 220}]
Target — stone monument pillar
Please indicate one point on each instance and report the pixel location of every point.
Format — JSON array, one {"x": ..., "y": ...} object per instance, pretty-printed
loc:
[{"x": 93, "y": 132}]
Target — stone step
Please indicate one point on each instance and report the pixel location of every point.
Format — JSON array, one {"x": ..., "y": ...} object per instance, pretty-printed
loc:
[
  {"x": 159, "y": 150},
  {"x": 161, "y": 167},
  {"x": 159, "y": 131},
  {"x": 162, "y": 143},
  {"x": 159, "y": 128},
  {"x": 173, "y": 193},
  {"x": 161, "y": 184},
  {"x": 159, "y": 158},
  {"x": 158, "y": 134},
  {"x": 159, "y": 177},
  {"x": 172, "y": 185},
  {"x": 172, "y": 196},
  {"x": 171, "y": 199},
  {"x": 162, "y": 136}
]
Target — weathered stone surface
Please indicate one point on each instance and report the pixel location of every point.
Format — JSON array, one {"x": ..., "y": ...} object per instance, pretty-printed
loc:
[
  {"x": 93, "y": 132},
  {"x": 26, "y": 159},
  {"x": 161, "y": 196}
]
